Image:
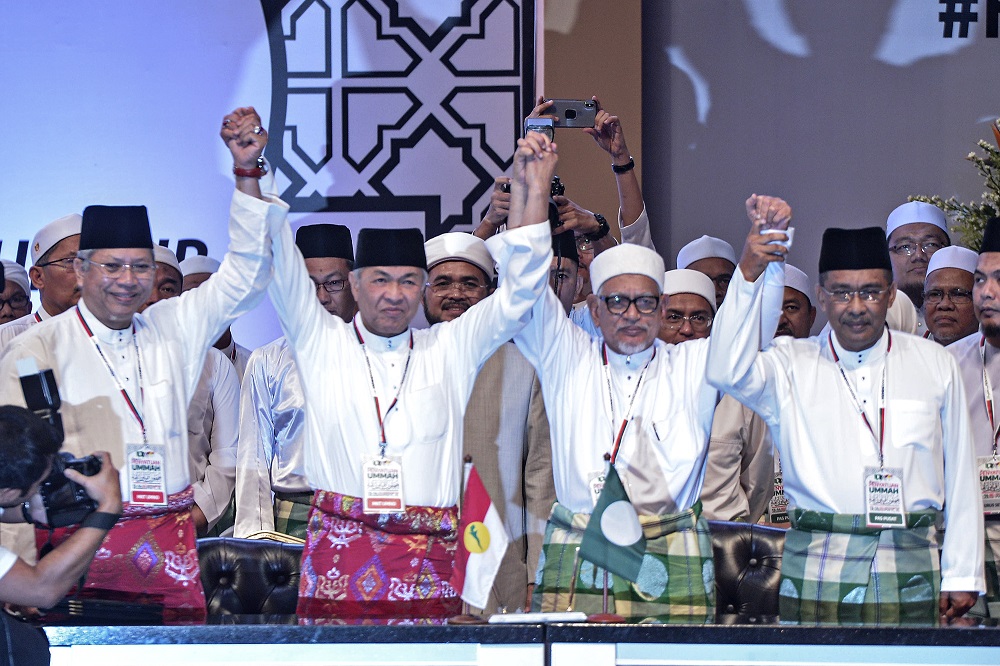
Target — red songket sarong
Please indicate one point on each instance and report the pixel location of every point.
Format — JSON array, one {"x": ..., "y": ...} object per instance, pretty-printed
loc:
[
  {"x": 149, "y": 556},
  {"x": 377, "y": 565}
]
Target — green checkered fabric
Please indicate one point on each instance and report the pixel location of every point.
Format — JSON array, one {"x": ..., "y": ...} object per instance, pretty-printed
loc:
[
  {"x": 837, "y": 571},
  {"x": 676, "y": 582},
  {"x": 226, "y": 520},
  {"x": 291, "y": 513},
  {"x": 992, "y": 551}
]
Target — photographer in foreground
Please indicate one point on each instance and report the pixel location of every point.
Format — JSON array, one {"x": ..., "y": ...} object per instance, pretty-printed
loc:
[{"x": 27, "y": 448}]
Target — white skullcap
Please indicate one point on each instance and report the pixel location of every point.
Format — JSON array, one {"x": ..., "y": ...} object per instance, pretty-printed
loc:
[
  {"x": 627, "y": 259},
  {"x": 53, "y": 232},
  {"x": 705, "y": 247},
  {"x": 162, "y": 255},
  {"x": 913, "y": 212},
  {"x": 798, "y": 281},
  {"x": 902, "y": 316},
  {"x": 456, "y": 246},
  {"x": 953, "y": 256},
  {"x": 198, "y": 264},
  {"x": 14, "y": 272},
  {"x": 686, "y": 281}
]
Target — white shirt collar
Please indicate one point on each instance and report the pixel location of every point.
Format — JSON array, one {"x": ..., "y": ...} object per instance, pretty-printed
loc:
[
  {"x": 629, "y": 362},
  {"x": 102, "y": 332},
  {"x": 379, "y": 344},
  {"x": 855, "y": 359}
]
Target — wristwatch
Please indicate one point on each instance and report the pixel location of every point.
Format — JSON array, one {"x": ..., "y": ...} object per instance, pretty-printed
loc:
[{"x": 601, "y": 232}]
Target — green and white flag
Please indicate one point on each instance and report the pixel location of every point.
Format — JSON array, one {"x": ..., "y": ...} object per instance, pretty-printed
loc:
[{"x": 613, "y": 538}]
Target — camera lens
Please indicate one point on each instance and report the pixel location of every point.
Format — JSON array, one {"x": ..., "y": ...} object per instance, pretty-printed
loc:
[{"x": 570, "y": 114}]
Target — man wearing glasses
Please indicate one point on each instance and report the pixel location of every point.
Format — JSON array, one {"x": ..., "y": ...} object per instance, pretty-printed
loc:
[
  {"x": 648, "y": 407},
  {"x": 915, "y": 231},
  {"x": 978, "y": 357},
  {"x": 126, "y": 379},
  {"x": 873, "y": 436},
  {"x": 506, "y": 431},
  {"x": 690, "y": 306},
  {"x": 15, "y": 299},
  {"x": 272, "y": 493},
  {"x": 948, "y": 309}
]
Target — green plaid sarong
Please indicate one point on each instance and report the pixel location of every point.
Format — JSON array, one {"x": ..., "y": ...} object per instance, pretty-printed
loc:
[
  {"x": 291, "y": 513},
  {"x": 676, "y": 582},
  {"x": 836, "y": 571},
  {"x": 992, "y": 552},
  {"x": 226, "y": 520}
]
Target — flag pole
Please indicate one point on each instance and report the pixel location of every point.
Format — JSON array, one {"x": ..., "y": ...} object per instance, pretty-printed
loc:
[
  {"x": 466, "y": 617},
  {"x": 572, "y": 581}
]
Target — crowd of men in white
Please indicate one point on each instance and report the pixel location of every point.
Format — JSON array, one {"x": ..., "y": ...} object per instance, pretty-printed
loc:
[{"x": 554, "y": 351}]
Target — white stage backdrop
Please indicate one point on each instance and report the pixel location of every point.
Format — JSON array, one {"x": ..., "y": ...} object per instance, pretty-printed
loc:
[{"x": 380, "y": 112}]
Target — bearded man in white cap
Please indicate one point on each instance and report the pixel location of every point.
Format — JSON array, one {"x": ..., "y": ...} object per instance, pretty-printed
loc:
[
  {"x": 690, "y": 306},
  {"x": 648, "y": 408},
  {"x": 948, "y": 310},
  {"x": 712, "y": 256},
  {"x": 873, "y": 435},
  {"x": 978, "y": 357},
  {"x": 196, "y": 270},
  {"x": 272, "y": 492},
  {"x": 126, "y": 379},
  {"x": 506, "y": 430},
  {"x": 386, "y": 404},
  {"x": 743, "y": 476},
  {"x": 15, "y": 299},
  {"x": 915, "y": 231},
  {"x": 53, "y": 250},
  {"x": 213, "y": 418}
]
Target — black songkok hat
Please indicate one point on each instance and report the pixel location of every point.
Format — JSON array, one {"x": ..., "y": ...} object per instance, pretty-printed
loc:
[
  {"x": 325, "y": 240},
  {"x": 854, "y": 250},
  {"x": 3, "y": 279},
  {"x": 564, "y": 245},
  {"x": 115, "y": 227},
  {"x": 391, "y": 247},
  {"x": 991, "y": 236}
]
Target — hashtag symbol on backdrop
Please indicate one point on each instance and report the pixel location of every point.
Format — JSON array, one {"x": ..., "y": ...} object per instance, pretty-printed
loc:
[{"x": 952, "y": 15}]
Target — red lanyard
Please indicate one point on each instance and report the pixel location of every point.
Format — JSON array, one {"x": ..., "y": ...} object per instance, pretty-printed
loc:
[
  {"x": 38, "y": 318},
  {"x": 371, "y": 378},
  {"x": 857, "y": 404},
  {"x": 988, "y": 394},
  {"x": 611, "y": 400},
  {"x": 138, "y": 360}
]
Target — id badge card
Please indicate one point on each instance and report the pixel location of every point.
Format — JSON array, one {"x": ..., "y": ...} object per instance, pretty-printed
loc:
[
  {"x": 383, "y": 479},
  {"x": 884, "y": 497},
  {"x": 147, "y": 474},
  {"x": 595, "y": 482},
  {"x": 989, "y": 483},
  {"x": 777, "y": 508}
]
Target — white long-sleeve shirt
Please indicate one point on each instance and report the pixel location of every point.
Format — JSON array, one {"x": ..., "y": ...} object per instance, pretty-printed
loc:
[
  {"x": 172, "y": 336},
  {"x": 272, "y": 437},
  {"x": 970, "y": 366},
  {"x": 824, "y": 445},
  {"x": 661, "y": 460},
  {"x": 424, "y": 430},
  {"x": 213, "y": 430}
]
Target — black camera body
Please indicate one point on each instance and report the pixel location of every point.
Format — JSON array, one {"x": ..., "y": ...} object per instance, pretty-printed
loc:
[{"x": 67, "y": 502}]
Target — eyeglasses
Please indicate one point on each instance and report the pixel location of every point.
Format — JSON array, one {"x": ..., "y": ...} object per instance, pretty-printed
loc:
[
  {"x": 957, "y": 296},
  {"x": 66, "y": 263},
  {"x": 442, "y": 287},
  {"x": 15, "y": 302},
  {"x": 114, "y": 269},
  {"x": 619, "y": 304},
  {"x": 699, "y": 322},
  {"x": 332, "y": 286},
  {"x": 909, "y": 249},
  {"x": 846, "y": 296}
]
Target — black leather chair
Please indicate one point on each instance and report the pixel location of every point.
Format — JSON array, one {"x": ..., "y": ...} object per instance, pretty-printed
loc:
[
  {"x": 248, "y": 577},
  {"x": 747, "y": 572}
]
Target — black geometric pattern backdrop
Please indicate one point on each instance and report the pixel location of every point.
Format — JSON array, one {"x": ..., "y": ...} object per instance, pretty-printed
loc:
[{"x": 383, "y": 108}]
